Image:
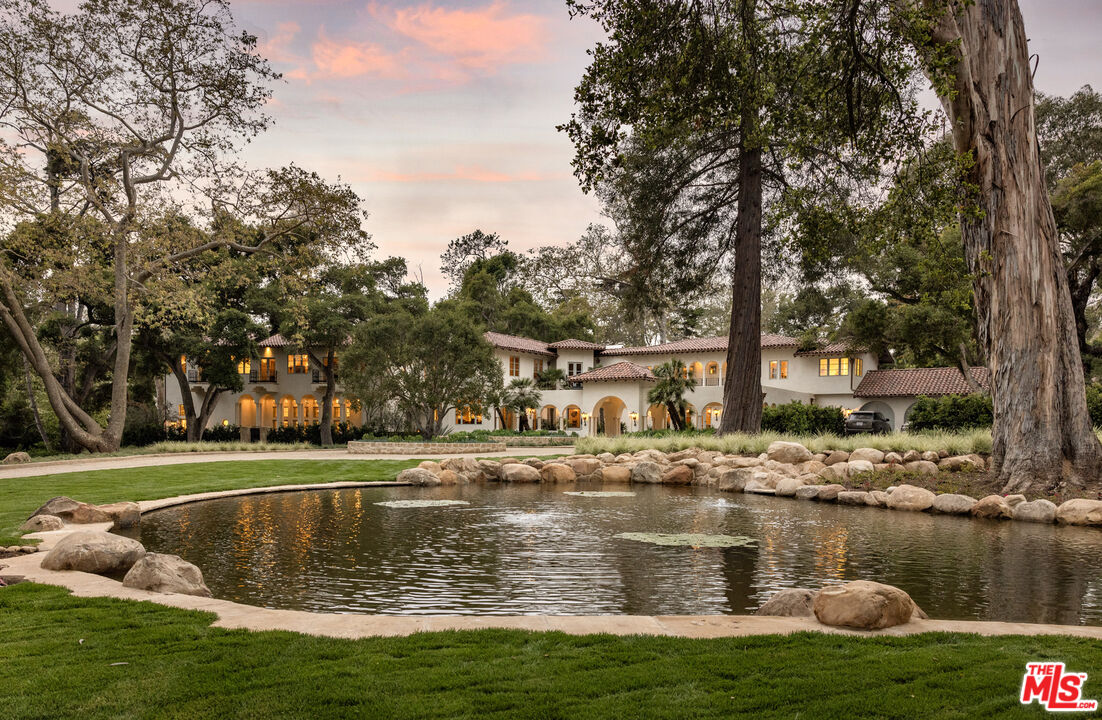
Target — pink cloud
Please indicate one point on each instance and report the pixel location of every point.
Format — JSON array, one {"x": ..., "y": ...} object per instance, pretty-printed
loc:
[
  {"x": 348, "y": 58},
  {"x": 482, "y": 38},
  {"x": 277, "y": 46},
  {"x": 467, "y": 173}
]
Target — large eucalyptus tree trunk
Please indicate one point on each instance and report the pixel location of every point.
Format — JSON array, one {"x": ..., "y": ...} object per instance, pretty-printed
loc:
[{"x": 1042, "y": 432}]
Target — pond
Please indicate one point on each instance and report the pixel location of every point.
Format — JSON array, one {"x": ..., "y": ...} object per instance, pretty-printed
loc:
[{"x": 534, "y": 549}]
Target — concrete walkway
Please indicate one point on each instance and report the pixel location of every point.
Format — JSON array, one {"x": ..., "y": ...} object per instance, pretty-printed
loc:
[
  {"x": 56, "y": 467},
  {"x": 235, "y": 615}
]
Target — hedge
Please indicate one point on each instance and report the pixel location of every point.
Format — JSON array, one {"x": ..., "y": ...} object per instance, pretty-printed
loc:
[{"x": 795, "y": 418}]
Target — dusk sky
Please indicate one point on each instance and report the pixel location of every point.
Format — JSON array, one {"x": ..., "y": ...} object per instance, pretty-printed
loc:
[{"x": 442, "y": 114}]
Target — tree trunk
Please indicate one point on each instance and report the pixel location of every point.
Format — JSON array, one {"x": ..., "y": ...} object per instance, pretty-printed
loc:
[
  {"x": 34, "y": 406},
  {"x": 742, "y": 384},
  {"x": 676, "y": 417},
  {"x": 194, "y": 431},
  {"x": 1081, "y": 281},
  {"x": 326, "y": 426},
  {"x": 1042, "y": 433}
]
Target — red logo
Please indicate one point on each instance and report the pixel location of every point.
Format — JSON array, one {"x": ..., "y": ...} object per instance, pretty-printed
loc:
[{"x": 1056, "y": 689}]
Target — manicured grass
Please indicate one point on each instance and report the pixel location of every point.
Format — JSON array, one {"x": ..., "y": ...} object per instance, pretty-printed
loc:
[
  {"x": 975, "y": 441},
  {"x": 19, "y": 497},
  {"x": 59, "y": 659}
]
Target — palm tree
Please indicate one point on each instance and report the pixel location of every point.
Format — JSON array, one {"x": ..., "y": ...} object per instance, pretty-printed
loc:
[
  {"x": 551, "y": 379},
  {"x": 520, "y": 395},
  {"x": 673, "y": 380}
]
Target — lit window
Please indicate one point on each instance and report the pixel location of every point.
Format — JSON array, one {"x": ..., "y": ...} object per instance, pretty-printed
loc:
[
  {"x": 514, "y": 366},
  {"x": 822, "y": 367},
  {"x": 181, "y": 412},
  {"x": 784, "y": 369},
  {"x": 858, "y": 367},
  {"x": 244, "y": 367},
  {"x": 773, "y": 370},
  {"x": 298, "y": 364},
  {"x": 844, "y": 369}
]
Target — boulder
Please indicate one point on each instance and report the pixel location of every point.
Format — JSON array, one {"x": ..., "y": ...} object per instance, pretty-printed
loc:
[
  {"x": 909, "y": 497},
  {"x": 616, "y": 474},
  {"x": 651, "y": 455},
  {"x": 490, "y": 469},
  {"x": 17, "y": 458},
  {"x": 74, "y": 512},
  {"x": 836, "y": 456},
  {"x": 606, "y": 457},
  {"x": 123, "y": 515},
  {"x": 878, "y": 498},
  {"x": 811, "y": 467},
  {"x": 962, "y": 463},
  {"x": 787, "y": 487},
  {"x": 734, "y": 480},
  {"x": 94, "y": 551},
  {"x": 688, "y": 462},
  {"x": 678, "y": 475},
  {"x": 1039, "y": 511},
  {"x": 1015, "y": 500},
  {"x": 837, "y": 471},
  {"x": 448, "y": 477},
  {"x": 953, "y": 504},
  {"x": 166, "y": 574},
  {"x": 534, "y": 462},
  {"x": 829, "y": 493},
  {"x": 859, "y": 466},
  {"x": 853, "y": 497},
  {"x": 931, "y": 456},
  {"x": 519, "y": 473},
  {"x": 893, "y": 458},
  {"x": 788, "y": 452},
  {"x": 557, "y": 473},
  {"x": 912, "y": 456},
  {"x": 624, "y": 458},
  {"x": 1080, "y": 512},
  {"x": 993, "y": 507},
  {"x": 922, "y": 467},
  {"x": 870, "y": 455},
  {"x": 42, "y": 523},
  {"x": 583, "y": 467},
  {"x": 460, "y": 464},
  {"x": 864, "y": 605},
  {"x": 808, "y": 492},
  {"x": 418, "y": 476},
  {"x": 685, "y": 454},
  {"x": 790, "y": 602},
  {"x": 431, "y": 465},
  {"x": 646, "y": 472}
]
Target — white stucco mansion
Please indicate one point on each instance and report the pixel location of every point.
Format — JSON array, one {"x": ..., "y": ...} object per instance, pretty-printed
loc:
[{"x": 606, "y": 387}]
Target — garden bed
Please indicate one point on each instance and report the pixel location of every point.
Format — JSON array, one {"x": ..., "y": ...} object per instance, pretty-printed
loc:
[{"x": 377, "y": 447}]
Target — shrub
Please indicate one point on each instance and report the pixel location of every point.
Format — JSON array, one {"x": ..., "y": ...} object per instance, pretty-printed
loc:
[
  {"x": 951, "y": 413},
  {"x": 1094, "y": 403},
  {"x": 795, "y": 418},
  {"x": 144, "y": 434}
]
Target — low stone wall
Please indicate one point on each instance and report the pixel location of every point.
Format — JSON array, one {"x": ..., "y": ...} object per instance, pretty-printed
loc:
[
  {"x": 362, "y": 447},
  {"x": 537, "y": 441}
]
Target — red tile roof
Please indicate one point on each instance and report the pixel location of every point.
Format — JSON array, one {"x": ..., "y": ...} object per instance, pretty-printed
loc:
[
  {"x": 276, "y": 340},
  {"x": 622, "y": 370},
  {"x": 573, "y": 344},
  {"x": 838, "y": 348},
  {"x": 518, "y": 344},
  {"x": 920, "y": 381},
  {"x": 716, "y": 343}
]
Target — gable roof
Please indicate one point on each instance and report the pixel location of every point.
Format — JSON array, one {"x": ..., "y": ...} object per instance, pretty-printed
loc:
[
  {"x": 276, "y": 340},
  {"x": 620, "y": 371},
  {"x": 837, "y": 348},
  {"x": 716, "y": 343},
  {"x": 920, "y": 381},
  {"x": 573, "y": 344},
  {"x": 518, "y": 344}
]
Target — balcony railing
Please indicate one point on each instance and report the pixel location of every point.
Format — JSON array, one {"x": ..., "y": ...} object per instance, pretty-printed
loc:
[
  {"x": 262, "y": 376},
  {"x": 318, "y": 376}
]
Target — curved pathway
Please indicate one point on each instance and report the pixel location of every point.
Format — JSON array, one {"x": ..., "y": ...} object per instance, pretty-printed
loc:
[{"x": 134, "y": 461}]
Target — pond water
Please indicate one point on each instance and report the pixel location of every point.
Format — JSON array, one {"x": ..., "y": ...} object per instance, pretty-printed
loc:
[{"x": 537, "y": 550}]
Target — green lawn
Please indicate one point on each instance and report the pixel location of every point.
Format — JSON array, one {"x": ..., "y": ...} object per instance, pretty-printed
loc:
[
  {"x": 176, "y": 665},
  {"x": 19, "y": 497}
]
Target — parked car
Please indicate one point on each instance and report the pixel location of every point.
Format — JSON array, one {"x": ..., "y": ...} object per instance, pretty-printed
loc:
[{"x": 867, "y": 421}]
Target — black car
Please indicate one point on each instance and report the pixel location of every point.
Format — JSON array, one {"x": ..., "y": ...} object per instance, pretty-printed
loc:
[{"x": 867, "y": 421}]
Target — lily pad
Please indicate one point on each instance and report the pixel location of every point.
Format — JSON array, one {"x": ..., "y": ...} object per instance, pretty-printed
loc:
[
  {"x": 690, "y": 539},
  {"x": 601, "y": 493},
  {"x": 421, "y": 503}
]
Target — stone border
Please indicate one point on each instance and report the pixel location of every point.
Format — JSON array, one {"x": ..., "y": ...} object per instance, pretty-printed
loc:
[
  {"x": 363, "y": 447},
  {"x": 161, "y": 504},
  {"x": 522, "y": 441}
]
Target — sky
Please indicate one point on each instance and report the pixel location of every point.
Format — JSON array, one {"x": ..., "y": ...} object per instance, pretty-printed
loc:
[{"x": 441, "y": 114}]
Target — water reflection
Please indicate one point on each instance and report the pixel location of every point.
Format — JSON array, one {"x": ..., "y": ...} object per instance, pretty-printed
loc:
[{"x": 532, "y": 549}]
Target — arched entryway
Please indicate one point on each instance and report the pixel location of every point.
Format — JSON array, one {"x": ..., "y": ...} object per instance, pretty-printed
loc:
[
  {"x": 549, "y": 418},
  {"x": 711, "y": 374},
  {"x": 288, "y": 409},
  {"x": 246, "y": 411},
  {"x": 882, "y": 408},
  {"x": 572, "y": 415},
  {"x": 311, "y": 411},
  {"x": 268, "y": 411},
  {"x": 608, "y": 413},
  {"x": 696, "y": 372},
  {"x": 712, "y": 413},
  {"x": 658, "y": 417}
]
